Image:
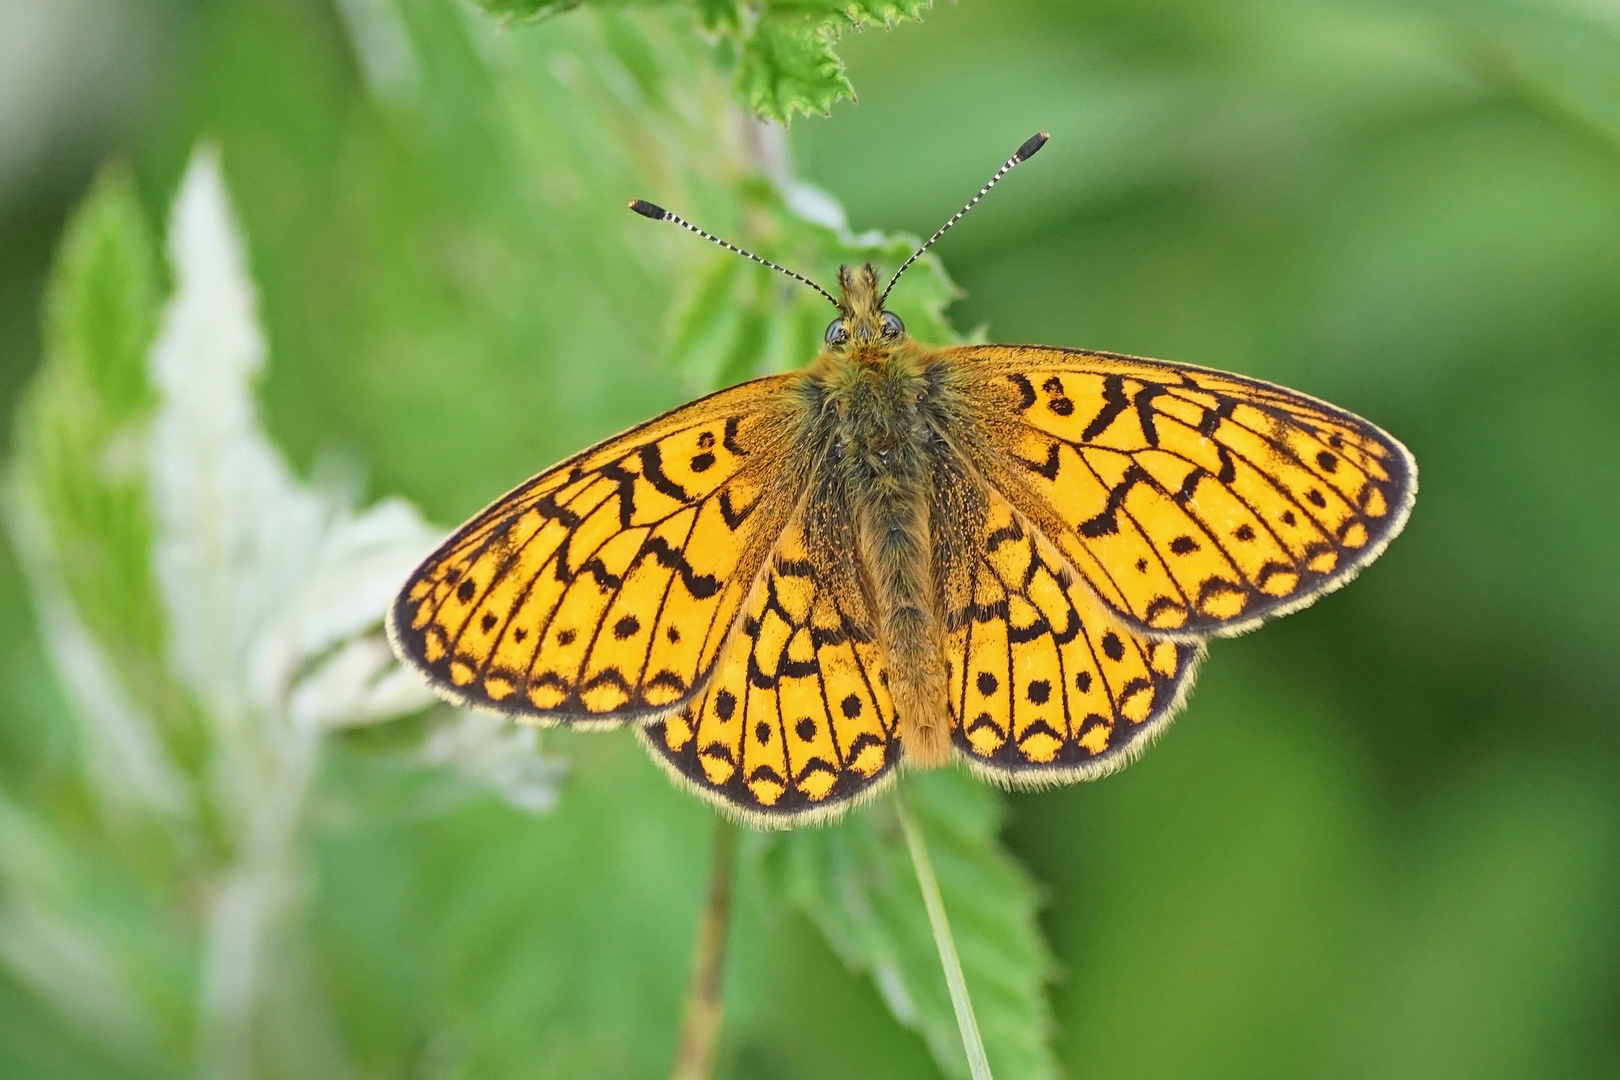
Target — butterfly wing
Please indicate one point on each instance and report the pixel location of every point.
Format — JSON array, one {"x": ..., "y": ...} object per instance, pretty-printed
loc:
[
  {"x": 602, "y": 590},
  {"x": 1192, "y": 502},
  {"x": 1045, "y": 684},
  {"x": 797, "y": 722}
]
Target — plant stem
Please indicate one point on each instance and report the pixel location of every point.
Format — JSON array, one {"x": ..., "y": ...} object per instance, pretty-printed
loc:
[
  {"x": 700, "y": 1023},
  {"x": 972, "y": 1042}
]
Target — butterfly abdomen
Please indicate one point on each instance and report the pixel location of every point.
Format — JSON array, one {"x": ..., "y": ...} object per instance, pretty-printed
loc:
[{"x": 879, "y": 422}]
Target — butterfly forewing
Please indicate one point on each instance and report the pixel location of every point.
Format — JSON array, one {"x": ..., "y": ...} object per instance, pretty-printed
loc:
[
  {"x": 1192, "y": 502},
  {"x": 797, "y": 720},
  {"x": 603, "y": 590},
  {"x": 1045, "y": 685}
]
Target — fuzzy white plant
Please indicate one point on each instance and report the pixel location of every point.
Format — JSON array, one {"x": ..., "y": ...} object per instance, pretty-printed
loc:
[
  {"x": 274, "y": 592},
  {"x": 271, "y": 593}
]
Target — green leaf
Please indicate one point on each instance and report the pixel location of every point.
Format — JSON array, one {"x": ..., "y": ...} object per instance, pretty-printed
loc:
[
  {"x": 786, "y": 62},
  {"x": 782, "y": 50},
  {"x": 80, "y": 432},
  {"x": 856, "y": 883},
  {"x": 788, "y": 65},
  {"x": 78, "y": 500}
]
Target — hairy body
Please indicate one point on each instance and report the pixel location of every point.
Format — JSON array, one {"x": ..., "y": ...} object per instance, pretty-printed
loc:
[{"x": 884, "y": 409}]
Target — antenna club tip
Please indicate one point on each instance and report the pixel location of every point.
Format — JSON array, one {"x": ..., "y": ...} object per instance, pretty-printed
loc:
[
  {"x": 1031, "y": 145},
  {"x": 647, "y": 209}
]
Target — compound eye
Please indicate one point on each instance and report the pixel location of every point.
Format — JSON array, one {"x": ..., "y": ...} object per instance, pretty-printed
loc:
[
  {"x": 892, "y": 326},
  {"x": 836, "y": 334}
]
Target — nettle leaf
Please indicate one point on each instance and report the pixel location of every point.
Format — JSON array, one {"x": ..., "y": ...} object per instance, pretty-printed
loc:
[
  {"x": 856, "y": 883},
  {"x": 786, "y": 62},
  {"x": 787, "y": 65},
  {"x": 783, "y": 51}
]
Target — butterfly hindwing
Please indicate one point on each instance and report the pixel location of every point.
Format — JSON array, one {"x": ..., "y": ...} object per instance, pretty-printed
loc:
[
  {"x": 796, "y": 721},
  {"x": 603, "y": 589},
  {"x": 1192, "y": 502},
  {"x": 1045, "y": 685}
]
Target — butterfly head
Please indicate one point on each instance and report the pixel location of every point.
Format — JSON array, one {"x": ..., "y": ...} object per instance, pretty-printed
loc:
[
  {"x": 863, "y": 328},
  {"x": 862, "y": 324}
]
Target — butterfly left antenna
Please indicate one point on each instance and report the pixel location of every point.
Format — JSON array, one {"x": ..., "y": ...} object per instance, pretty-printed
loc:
[
  {"x": 1023, "y": 154},
  {"x": 658, "y": 213}
]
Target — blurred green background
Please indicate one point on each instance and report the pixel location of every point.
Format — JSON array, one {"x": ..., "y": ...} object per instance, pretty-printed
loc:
[{"x": 1384, "y": 839}]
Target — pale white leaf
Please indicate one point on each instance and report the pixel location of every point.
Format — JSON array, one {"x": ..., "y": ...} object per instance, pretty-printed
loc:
[
  {"x": 275, "y": 589},
  {"x": 504, "y": 756},
  {"x": 323, "y": 654},
  {"x": 235, "y": 532}
]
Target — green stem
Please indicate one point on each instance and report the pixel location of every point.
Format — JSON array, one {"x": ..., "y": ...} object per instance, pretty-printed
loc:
[
  {"x": 972, "y": 1042},
  {"x": 699, "y": 1041}
]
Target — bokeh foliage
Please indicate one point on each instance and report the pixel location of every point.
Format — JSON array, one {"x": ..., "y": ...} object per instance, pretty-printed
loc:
[{"x": 1382, "y": 841}]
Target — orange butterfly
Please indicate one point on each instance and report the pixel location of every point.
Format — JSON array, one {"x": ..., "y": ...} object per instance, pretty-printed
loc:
[{"x": 1009, "y": 555}]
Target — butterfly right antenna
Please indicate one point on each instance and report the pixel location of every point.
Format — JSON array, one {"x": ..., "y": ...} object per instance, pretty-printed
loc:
[
  {"x": 1023, "y": 154},
  {"x": 658, "y": 213}
]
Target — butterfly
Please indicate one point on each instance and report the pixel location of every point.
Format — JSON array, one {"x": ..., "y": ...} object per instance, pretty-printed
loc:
[{"x": 1006, "y": 556}]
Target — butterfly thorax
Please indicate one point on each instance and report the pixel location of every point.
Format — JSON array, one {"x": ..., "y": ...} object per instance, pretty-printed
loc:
[{"x": 880, "y": 398}]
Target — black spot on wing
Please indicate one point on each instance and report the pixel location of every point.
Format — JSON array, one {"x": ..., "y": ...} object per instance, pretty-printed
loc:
[
  {"x": 1144, "y": 411},
  {"x": 730, "y": 514},
  {"x": 667, "y": 680},
  {"x": 729, "y": 440},
  {"x": 624, "y": 490},
  {"x": 1114, "y": 403},
  {"x": 984, "y": 720},
  {"x": 546, "y": 506},
  {"x": 1106, "y": 522},
  {"x": 861, "y": 742},
  {"x": 1210, "y": 422},
  {"x": 701, "y": 586},
  {"x": 608, "y": 677},
  {"x": 1112, "y": 647},
  {"x": 652, "y": 468},
  {"x": 1048, "y": 468},
  {"x": 1026, "y": 392},
  {"x": 1189, "y": 486},
  {"x": 1015, "y": 531}
]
